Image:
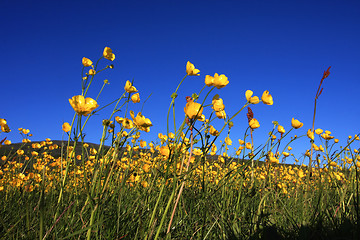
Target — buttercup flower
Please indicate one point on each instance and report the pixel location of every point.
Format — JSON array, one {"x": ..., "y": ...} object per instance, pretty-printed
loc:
[
  {"x": 281, "y": 129},
  {"x": 217, "y": 104},
  {"x": 267, "y": 98},
  {"x": 86, "y": 62},
  {"x": 135, "y": 98},
  {"x": 127, "y": 123},
  {"x": 141, "y": 122},
  {"x": 250, "y": 99},
  {"x": 216, "y": 81},
  {"x": 327, "y": 136},
  {"x": 191, "y": 70},
  {"x": 228, "y": 141},
  {"x": 4, "y": 126},
  {"x": 66, "y": 127},
  {"x": 296, "y": 123},
  {"x": 220, "y": 81},
  {"x": 213, "y": 131},
  {"x": 310, "y": 134},
  {"x": 318, "y": 131},
  {"x": 83, "y": 106},
  {"x": 193, "y": 110},
  {"x": 165, "y": 151},
  {"x": 253, "y": 124},
  {"x": 221, "y": 114},
  {"x": 129, "y": 88},
  {"x": 92, "y": 72},
  {"x": 108, "y": 54}
]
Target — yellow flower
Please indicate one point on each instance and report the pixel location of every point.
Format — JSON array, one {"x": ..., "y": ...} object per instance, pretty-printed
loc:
[
  {"x": 241, "y": 142},
  {"x": 141, "y": 122},
  {"x": 92, "y": 72},
  {"x": 253, "y": 124},
  {"x": 286, "y": 154},
  {"x": 296, "y": 123},
  {"x": 7, "y": 142},
  {"x": 86, "y": 62},
  {"x": 142, "y": 143},
  {"x": 127, "y": 123},
  {"x": 250, "y": 99},
  {"x": 327, "y": 136},
  {"x": 135, "y": 98},
  {"x": 315, "y": 147},
  {"x": 2, "y": 122},
  {"x": 20, "y": 152},
  {"x": 220, "y": 81},
  {"x": 83, "y": 106},
  {"x": 228, "y": 141},
  {"x": 209, "y": 80},
  {"x": 213, "y": 150},
  {"x": 66, "y": 127},
  {"x": 25, "y": 131},
  {"x": 267, "y": 98},
  {"x": 4, "y": 126},
  {"x": 197, "y": 152},
  {"x": 191, "y": 70},
  {"x": 221, "y": 114},
  {"x": 336, "y": 140},
  {"x": 216, "y": 81},
  {"x": 213, "y": 131},
  {"x": 108, "y": 54},
  {"x": 217, "y": 104},
  {"x": 129, "y": 88},
  {"x": 165, "y": 151},
  {"x": 248, "y": 145},
  {"x": 310, "y": 134},
  {"x": 193, "y": 110},
  {"x": 318, "y": 131},
  {"x": 281, "y": 129}
]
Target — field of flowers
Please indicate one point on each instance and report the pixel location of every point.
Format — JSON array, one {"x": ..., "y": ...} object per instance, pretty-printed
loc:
[{"x": 183, "y": 187}]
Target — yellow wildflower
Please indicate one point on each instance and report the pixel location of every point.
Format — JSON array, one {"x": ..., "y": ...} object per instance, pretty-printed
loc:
[
  {"x": 7, "y": 142},
  {"x": 217, "y": 104},
  {"x": 326, "y": 135},
  {"x": 66, "y": 127},
  {"x": 92, "y": 72},
  {"x": 108, "y": 54},
  {"x": 228, "y": 141},
  {"x": 318, "y": 131},
  {"x": 165, "y": 151},
  {"x": 191, "y": 70},
  {"x": 281, "y": 129},
  {"x": 310, "y": 134},
  {"x": 296, "y": 123},
  {"x": 216, "y": 81},
  {"x": 253, "y": 124},
  {"x": 213, "y": 131},
  {"x": 86, "y": 62},
  {"x": 135, "y": 98},
  {"x": 127, "y": 123},
  {"x": 250, "y": 99},
  {"x": 221, "y": 114},
  {"x": 129, "y": 88},
  {"x": 267, "y": 98},
  {"x": 83, "y": 106},
  {"x": 141, "y": 122},
  {"x": 193, "y": 110}
]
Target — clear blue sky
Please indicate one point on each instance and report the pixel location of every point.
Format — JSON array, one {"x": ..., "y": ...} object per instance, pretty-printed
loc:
[{"x": 280, "y": 46}]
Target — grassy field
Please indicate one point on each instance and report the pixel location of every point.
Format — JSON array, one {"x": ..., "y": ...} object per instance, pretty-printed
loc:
[{"x": 185, "y": 187}]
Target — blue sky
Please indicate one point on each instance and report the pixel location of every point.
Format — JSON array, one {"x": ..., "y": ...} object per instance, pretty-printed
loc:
[{"x": 280, "y": 46}]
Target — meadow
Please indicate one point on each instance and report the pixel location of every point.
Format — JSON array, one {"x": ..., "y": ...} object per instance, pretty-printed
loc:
[{"x": 184, "y": 185}]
